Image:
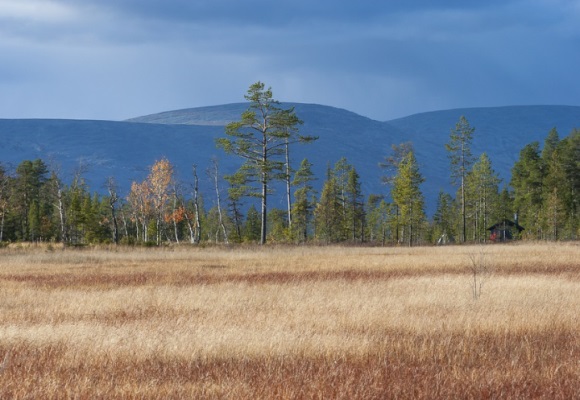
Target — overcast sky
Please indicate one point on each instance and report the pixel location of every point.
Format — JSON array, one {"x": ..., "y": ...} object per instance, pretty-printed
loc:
[{"x": 116, "y": 59}]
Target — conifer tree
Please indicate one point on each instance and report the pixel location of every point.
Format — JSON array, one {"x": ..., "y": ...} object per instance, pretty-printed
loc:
[
  {"x": 238, "y": 190},
  {"x": 304, "y": 201},
  {"x": 391, "y": 167},
  {"x": 252, "y": 226},
  {"x": 406, "y": 193},
  {"x": 527, "y": 181},
  {"x": 328, "y": 213},
  {"x": 569, "y": 155},
  {"x": 461, "y": 159},
  {"x": 391, "y": 162},
  {"x": 355, "y": 212},
  {"x": 278, "y": 225},
  {"x": 444, "y": 219},
  {"x": 377, "y": 221},
  {"x": 4, "y": 199},
  {"x": 483, "y": 192},
  {"x": 260, "y": 138},
  {"x": 553, "y": 187},
  {"x": 28, "y": 197}
]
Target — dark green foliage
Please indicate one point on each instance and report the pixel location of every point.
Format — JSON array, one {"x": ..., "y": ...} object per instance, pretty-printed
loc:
[
  {"x": 527, "y": 180},
  {"x": 391, "y": 162},
  {"x": 340, "y": 214},
  {"x": 252, "y": 226},
  {"x": 483, "y": 209},
  {"x": 238, "y": 190},
  {"x": 377, "y": 220},
  {"x": 328, "y": 213},
  {"x": 37, "y": 206},
  {"x": 261, "y": 138},
  {"x": 406, "y": 194},
  {"x": 29, "y": 200},
  {"x": 278, "y": 225},
  {"x": 546, "y": 186},
  {"x": 355, "y": 212},
  {"x": 304, "y": 202},
  {"x": 444, "y": 219},
  {"x": 461, "y": 158}
]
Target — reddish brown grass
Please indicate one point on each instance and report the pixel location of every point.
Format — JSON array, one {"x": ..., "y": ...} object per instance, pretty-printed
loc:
[{"x": 289, "y": 324}]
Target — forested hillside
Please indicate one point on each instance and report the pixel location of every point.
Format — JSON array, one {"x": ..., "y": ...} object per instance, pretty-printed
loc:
[{"x": 75, "y": 181}]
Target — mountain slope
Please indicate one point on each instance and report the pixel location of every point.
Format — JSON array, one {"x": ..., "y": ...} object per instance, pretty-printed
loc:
[
  {"x": 126, "y": 149},
  {"x": 501, "y": 132}
]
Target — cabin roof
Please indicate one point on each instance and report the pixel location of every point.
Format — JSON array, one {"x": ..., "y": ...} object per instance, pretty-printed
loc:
[{"x": 506, "y": 224}]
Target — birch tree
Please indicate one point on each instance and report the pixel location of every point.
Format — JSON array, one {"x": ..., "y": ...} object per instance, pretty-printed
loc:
[{"x": 160, "y": 179}]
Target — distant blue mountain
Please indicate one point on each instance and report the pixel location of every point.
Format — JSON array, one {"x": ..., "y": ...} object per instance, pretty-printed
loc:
[{"x": 126, "y": 149}]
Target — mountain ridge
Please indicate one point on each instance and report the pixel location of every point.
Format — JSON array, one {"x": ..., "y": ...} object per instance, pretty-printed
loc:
[{"x": 125, "y": 149}]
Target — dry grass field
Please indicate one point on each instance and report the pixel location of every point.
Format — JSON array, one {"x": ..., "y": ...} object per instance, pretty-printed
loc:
[{"x": 291, "y": 322}]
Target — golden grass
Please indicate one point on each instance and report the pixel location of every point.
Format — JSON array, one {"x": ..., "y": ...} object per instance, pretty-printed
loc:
[{"x": 289, "y": 322}]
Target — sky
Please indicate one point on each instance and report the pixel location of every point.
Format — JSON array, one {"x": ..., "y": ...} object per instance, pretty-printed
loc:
[{"x": 383, "y": 59}]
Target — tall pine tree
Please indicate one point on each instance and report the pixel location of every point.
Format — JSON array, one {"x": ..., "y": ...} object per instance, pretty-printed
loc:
[
  {"x": 461, "y": 159},
  {"x": 261, "y": 138}
]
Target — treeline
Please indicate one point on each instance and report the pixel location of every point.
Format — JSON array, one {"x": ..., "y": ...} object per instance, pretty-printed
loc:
[{"x": 542, "y": 196}]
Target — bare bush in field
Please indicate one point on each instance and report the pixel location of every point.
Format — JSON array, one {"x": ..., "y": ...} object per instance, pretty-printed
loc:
[{"x": 289, "y": 322}]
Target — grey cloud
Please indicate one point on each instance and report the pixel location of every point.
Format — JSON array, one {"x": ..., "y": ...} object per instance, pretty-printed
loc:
[{"x": 121, "y": 56}]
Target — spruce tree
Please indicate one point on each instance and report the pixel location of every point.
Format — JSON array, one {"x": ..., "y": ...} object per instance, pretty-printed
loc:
[
  {"x": 569, "y": 155},
  {"x": 302, "y": 209},
  {"x": 329, "y": 218},
  {"x": 252, "y": 228},
  {"x": 28, "y": 193},
  {"x": 527, "y": 181},
  {"x": 355, "y": 206},
  {"x": 406, "y": 193},
  {"x": 444, "y": 219}
]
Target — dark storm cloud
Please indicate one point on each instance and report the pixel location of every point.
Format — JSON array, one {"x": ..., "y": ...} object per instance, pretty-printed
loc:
[{"x": 121, "y": 58}]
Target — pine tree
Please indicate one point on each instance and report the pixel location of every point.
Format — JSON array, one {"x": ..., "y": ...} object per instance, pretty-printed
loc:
[
  {"x": 29, "y": 182},
  {"x": 355, "y": 213},
  {"x": 377, "y": 221},
  {"x": 304, "y": 201},
  {"x": 391, "y": 162},
  {"x": 238, "y": 190},
  {"x": 527, "y": 180},
  {"x": 444, "y": 219},
  {"x": 569, "y": 155},
  {"x": 483, "y": 191},
  {"x": 406, "y": 193},
  {"x": 341, "y": 173},
  {"x": 278, "y": 225},
  {"x": 260, "y": 138},
  {"x": 391, "y": 167},
  {"x": 461, "y": 158},
  {"x": 252, "y": 227},
  {"x": 329, "y": 218}
]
